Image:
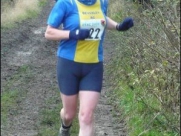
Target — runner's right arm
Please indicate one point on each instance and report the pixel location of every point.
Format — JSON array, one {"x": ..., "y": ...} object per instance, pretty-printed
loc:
[{"x": 57, "y": 35}]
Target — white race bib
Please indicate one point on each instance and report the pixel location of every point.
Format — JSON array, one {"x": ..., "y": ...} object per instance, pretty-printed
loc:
[{"x": 95, "y": 27}]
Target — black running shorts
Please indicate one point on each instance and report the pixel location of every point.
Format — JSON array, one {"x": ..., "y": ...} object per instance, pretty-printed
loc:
[{"x": 74, "y": 77}]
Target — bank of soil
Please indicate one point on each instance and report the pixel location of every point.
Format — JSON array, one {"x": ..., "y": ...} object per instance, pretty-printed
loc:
[{"x": 25, "y": 46}]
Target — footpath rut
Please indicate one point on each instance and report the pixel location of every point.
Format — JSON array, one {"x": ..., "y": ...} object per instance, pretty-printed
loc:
[{"x": 26, "y": 45}]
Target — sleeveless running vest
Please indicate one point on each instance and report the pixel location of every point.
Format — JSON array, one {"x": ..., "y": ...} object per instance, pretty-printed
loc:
[{"x": 76, "y": 15}]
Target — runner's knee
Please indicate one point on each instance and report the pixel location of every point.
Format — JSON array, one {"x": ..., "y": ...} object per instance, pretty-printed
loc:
[
  {"x": 86, "y": 117},
  {"x": 67, "y": 115}
]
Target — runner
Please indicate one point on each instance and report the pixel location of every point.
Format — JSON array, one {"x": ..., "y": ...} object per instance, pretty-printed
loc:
[{"x": 80, "y": 57}]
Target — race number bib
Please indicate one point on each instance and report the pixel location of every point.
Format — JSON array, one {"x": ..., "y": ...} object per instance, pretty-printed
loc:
[{"x": 95, "y": 27}]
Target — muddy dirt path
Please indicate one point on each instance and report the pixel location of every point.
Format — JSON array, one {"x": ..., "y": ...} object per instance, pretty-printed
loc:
[{"x": 25, "y": 46}]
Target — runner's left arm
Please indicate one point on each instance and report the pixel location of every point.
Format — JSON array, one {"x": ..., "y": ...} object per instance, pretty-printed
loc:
[
  {"x": 126, "y": 24},
  {"x": 111, "y": 24}
]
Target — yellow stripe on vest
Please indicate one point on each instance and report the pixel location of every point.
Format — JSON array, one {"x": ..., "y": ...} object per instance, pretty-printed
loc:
[
  {"x": 87, "y": 51},
  {"x": 90, "y": 18}
]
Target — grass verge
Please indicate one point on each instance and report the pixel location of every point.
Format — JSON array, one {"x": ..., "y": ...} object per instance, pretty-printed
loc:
[
  {"x": 12, "y": 94},
  {"x": 19, "y": 10},
  {"x": 141, "y": 119},
  {"x": 145, "y": 83}
]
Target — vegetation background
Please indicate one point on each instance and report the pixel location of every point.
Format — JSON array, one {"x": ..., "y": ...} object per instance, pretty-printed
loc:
[{"x": 144, "y": 69}]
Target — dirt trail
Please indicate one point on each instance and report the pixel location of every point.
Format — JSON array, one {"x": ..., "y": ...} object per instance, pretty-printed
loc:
[{"x": 26, "y": 46}]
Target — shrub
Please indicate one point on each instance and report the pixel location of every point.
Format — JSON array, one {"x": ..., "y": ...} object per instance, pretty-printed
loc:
[{"x": 146, "y": 64}]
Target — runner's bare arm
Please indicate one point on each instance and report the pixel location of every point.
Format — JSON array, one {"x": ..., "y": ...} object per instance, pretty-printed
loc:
[
  {"x": 56, "y": 34},
  {"x": 125, "y": 25},
  {"x": 111, "y": 24}
]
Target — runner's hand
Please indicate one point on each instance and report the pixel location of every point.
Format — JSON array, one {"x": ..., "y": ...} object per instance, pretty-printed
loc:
[
  {"x": 125, "y": 25},
  {"x": 79, "y": 34}
]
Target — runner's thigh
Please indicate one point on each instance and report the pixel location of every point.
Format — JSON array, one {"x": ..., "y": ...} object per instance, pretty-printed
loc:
[
  {"x": 93, "y": 76},
  {"x": 68, "y": 76}
]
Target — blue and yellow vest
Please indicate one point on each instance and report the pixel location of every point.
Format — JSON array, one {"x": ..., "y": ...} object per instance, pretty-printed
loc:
[{"x": 75, "y": 15}]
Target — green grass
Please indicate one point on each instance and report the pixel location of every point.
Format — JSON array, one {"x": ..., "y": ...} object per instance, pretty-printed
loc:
[
  {"x": 43, "y": 3},
  {"x": 142, "y": 111},
  {"x": 140, "y": 118},
  {"x": 8, "y": 101},
  {"x": 11, "y": 95}
]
